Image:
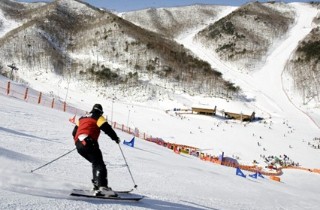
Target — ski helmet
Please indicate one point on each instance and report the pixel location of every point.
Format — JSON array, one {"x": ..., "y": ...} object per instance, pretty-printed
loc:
[{"x": 97, "y": 108}]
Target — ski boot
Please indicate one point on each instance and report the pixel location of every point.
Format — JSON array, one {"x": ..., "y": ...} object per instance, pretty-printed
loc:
[
  {"x": 95, "y": 186},
  {"x": 105, "y": 191}
]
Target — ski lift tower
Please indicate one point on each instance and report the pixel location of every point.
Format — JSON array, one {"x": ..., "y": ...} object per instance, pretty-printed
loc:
[{"x": 13, "y": 68}]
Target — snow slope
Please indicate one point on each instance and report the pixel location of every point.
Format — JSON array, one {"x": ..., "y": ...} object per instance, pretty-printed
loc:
[
  {"x": 7, "y": 25},
  {"x": 33, "y": 135},
  {"x": 265, "y": 88}
]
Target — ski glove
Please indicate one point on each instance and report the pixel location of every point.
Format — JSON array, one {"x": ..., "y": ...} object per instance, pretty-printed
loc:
[{"x": 117, "y": 140}]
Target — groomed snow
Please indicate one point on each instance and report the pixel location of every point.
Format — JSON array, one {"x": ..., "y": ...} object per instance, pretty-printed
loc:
[{"x": 32, "y": 135}]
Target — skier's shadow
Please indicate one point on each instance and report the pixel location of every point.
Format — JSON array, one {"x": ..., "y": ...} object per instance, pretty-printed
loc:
[
  {"x": 14, "y": 132},
  {"x": 154, "y": 204},
  {"x": 15, "y": 155}
]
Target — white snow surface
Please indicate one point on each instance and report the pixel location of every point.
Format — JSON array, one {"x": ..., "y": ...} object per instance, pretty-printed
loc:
[
  {"x": 6, "y": 24},
  {"x": 33, "y": 135}
]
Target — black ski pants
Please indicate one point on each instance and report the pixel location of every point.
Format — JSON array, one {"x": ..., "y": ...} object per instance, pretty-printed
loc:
[{"x": 90, "y": 151}]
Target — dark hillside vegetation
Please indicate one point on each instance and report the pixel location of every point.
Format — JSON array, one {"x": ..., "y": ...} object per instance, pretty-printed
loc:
[
  {"x": 304, "y": 67},
  {"x": 246, "y": 34},
  {"x": 74, "y": 39}
]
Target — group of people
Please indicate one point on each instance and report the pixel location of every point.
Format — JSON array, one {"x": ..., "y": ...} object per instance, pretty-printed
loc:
[
  {"x": 276, "y": 162},
  {"x": 315, "y": 144}
]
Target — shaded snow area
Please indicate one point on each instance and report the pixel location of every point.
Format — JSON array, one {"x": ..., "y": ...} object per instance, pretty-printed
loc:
[{"x": 33, "y": 135}]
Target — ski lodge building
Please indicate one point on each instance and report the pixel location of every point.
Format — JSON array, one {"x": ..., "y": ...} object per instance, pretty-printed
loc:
[
  {"x": 204, "y": 111},
  {"x": 227, "y": 115}
]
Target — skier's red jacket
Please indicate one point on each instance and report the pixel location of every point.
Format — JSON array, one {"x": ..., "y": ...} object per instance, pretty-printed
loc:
[{"x": 91, "y": 126}]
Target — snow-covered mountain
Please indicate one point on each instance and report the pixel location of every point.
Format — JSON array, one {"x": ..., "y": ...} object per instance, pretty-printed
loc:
[
  {"x": 242, "y": 36},
  {"x": 75, "y": 40},
  {"x": 102, "y": 51},
  {"x": 33, "y": 135},
  {"x": 172, "y": 22}
]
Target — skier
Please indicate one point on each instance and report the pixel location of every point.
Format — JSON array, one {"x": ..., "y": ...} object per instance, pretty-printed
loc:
[{"x": 86, "y": 134}]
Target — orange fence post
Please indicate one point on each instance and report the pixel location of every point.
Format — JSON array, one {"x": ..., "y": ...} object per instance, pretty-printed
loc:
[
  {"x": 8, "y": 88},
  {"x": 316, "y": 170},
  {"x": 64, "y": 106},
  {"x": 52, "y": 104},
  {"x": 26, "y": 94},
  {"x": 39, "y": 99},
  {"x": 275, "y": 178}
]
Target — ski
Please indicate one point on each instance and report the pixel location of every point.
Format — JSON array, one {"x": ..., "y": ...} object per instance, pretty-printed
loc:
[
  {"x": 122, "y": 195},
  {"x": 123, "y": 191},
  {"x": 116, "y": 191}
]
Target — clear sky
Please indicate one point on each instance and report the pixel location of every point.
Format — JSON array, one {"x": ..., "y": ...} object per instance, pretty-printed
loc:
[{"x": 129, "y": 5}]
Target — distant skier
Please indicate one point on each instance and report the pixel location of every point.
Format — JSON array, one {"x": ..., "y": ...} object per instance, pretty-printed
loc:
[{"x": 86, "y": 134}]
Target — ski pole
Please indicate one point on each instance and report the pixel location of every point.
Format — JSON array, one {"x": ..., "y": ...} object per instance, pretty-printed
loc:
[
  {"x": 53, "y": 160},
  {"x": 125, "y": 160}
]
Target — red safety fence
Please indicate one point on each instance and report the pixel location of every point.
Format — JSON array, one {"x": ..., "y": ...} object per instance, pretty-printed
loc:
[
  {"x": 129, "y": 130},
  {"x": 315, "y": 170},
  {"x": 22, "y": 92}
]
